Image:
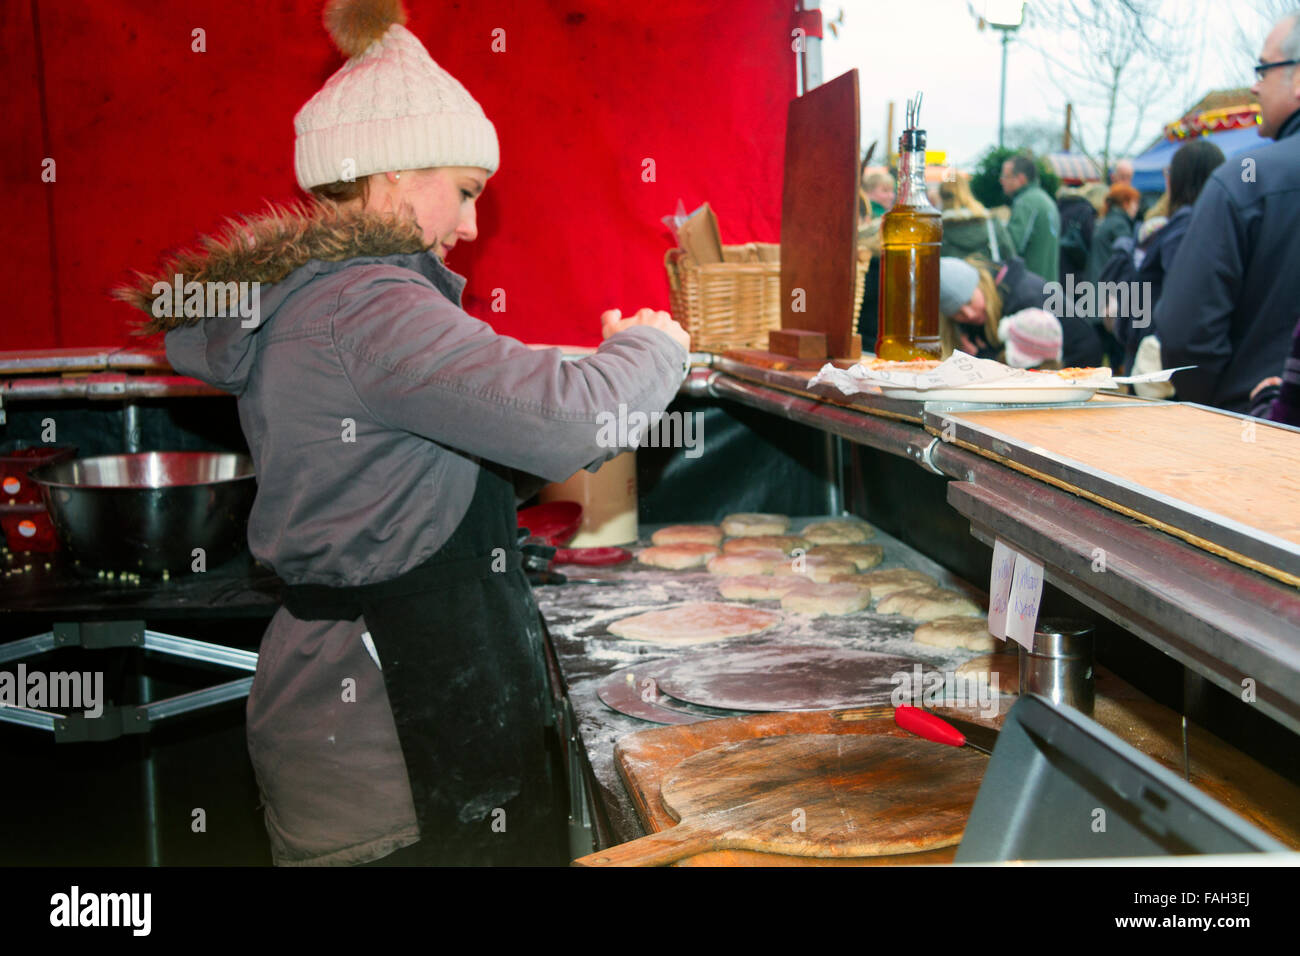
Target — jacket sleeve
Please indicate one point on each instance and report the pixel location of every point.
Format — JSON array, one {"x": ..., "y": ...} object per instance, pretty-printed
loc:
[
  {"x": 1103, "y": 237},
  {"x": 417, "y": 362},
  {"x": 1005, "y": 245},
  {"x": 1194, "y": 314},
  {"x": 1021, "y": 225}
]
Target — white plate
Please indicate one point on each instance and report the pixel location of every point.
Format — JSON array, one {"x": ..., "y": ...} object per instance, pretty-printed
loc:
[{"x": 1018, "y": 395}]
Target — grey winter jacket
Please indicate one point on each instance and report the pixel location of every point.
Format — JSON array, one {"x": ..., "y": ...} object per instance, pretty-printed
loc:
[{"x": 366, "y": 396}]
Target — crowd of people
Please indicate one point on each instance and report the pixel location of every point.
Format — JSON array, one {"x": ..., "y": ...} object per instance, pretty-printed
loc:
[{"x": 1209, "y": 257}]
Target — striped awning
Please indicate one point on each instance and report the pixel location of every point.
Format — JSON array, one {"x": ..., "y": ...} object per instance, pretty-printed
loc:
[{"x": 1073, "y": 167}]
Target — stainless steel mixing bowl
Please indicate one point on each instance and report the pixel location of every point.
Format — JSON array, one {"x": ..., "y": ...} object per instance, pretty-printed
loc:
[{"x": 149, "y": 512}]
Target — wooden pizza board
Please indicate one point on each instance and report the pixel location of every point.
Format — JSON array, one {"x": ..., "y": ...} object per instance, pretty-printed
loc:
[
  {"x": 1242, "y": 784},
  {"x": 643, "y": 759},
  {"x": 817, "y": 795}
]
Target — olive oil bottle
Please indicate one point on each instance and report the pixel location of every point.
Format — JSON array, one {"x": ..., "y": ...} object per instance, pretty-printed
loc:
[{"x": 911, "y": 234}]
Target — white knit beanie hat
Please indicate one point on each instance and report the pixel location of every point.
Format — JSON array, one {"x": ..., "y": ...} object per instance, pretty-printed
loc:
[
  {"x": 1032, "y": 337},
  {"x": 390, "y": 107}
]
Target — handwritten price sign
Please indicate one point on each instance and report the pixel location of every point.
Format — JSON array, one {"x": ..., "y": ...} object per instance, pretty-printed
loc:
[
  {"x": 1022, "y": 606},
  {"x": 1015, "y": 591},
  {"x": 1004, "y": 564}
]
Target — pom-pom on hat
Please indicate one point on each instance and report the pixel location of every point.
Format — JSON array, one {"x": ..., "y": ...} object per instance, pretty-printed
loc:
[
  {"x": 390, "y": 107},
  {"x": 1032, "y": 337}
]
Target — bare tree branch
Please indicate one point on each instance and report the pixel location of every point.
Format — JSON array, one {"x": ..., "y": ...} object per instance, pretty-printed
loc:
[{"x": 1119, "y": 50}]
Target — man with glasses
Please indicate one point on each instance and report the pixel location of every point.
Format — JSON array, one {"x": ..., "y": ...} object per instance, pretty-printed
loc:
[{"x": 1232, "y": 295}]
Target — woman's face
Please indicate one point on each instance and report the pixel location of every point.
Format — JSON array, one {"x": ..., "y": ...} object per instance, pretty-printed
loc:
[
  {"x": 972, "y": 313},
  {"x": 441, "y": 198}
]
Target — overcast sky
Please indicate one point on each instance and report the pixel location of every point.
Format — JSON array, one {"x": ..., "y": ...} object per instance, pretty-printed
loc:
[{"x": 934, "y": 46}]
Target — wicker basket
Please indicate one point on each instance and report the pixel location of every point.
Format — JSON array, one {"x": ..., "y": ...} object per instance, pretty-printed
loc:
[{"x": 735, "y": 303}]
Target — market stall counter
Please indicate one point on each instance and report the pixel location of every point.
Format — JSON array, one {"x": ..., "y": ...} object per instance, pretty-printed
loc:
[{"x": 1213, "y": 613}]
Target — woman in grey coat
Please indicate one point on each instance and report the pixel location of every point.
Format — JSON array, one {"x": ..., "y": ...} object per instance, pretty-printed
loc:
[{"x": 400, "y": 694}]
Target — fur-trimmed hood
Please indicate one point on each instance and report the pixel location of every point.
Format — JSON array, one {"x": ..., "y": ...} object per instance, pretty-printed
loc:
[{"x": 266, "y": 249}]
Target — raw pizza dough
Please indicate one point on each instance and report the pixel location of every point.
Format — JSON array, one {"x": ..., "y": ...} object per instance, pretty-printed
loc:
[
  {"x": 750, "y": 562},
  {"x": 696, "y": 623},
  {"x": 785, "y": 543},
  {"x": 688, "y": 534},
  {"x": 677, "y": 556},
  {"x": 757, "y": 587},
  {"x": 818, "y": 599},
  {"x": 838, "y": 531},
  {"x": 1005, "y": 668},
  {"x": 864, "y": 556},
  {"x": 969, "y": 633},
  {"x": 820, "y": 570},
  {"x": 747, "y": 524},
  {"x": 927, "y": 604},
  {"x": 890, "y": 580}
]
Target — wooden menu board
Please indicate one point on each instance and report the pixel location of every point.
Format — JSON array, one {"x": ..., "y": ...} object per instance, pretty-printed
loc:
[{"x": 819, "y": 213}]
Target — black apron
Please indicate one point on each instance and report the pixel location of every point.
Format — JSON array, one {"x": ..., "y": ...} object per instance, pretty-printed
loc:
[{"x": 460, "y": 642}]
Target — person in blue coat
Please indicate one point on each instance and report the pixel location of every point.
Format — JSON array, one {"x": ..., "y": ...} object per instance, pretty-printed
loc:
[{"x": 1231, "y": 299}]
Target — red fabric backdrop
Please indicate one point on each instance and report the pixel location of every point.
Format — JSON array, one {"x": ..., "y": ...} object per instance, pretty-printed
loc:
[{"x": 155, "y": 143}]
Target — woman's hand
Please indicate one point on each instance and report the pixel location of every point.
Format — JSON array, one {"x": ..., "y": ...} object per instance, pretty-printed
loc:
[
  {"x": 612, "y": 322},
  {"x": 965, "y": 344}
]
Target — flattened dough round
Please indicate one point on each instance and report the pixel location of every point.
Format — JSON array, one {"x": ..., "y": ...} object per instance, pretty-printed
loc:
[
  {"x": 820, "y": 570},
  {"x": 1004, "y": 667},
  {"x": 757, "y": 587},
  {"x": 747, "y": 524},
  {"x": 970, "y": 633},
  {"x": 818, "y": 599},
  {"x": 696, "y": 623},
  {"x": 785, "y": 543},
  {"x": 887, "y": 581},
  {"x": 688, "y": 534},
  {"x": 750, "y": 562},
  {"x": 838, "y": 531},
  {"x": 677, "y": 556},
  {"x": 926, "y": 604},
  {"x": 864, "y": 556}
]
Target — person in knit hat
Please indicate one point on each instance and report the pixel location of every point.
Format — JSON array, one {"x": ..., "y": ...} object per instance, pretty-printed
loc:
[
  {"x": 400, "y": 710},
  {"x": 975, "y": 294}
]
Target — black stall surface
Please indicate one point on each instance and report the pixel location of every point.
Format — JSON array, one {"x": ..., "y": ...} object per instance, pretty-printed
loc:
[
  {"x": 181, "y": 794},
  {"x": 743, "y": 460}
]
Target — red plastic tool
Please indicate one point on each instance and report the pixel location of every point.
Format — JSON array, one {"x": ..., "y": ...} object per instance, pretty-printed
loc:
[
  {"x": 555, "y": 522},
  {"x": 927, "y": 725},
  {"x": 592, "y": 557},
  {"x": 953, "y": 732}
]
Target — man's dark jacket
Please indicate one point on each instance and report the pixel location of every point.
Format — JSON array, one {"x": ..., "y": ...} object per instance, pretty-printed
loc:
[{"x": 1232, "y": 296}]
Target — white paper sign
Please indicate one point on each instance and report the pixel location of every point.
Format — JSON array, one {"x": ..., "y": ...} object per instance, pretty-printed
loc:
[
  {"x": 1004, "y": 563},
  {"x": 1022, "y": 607}
]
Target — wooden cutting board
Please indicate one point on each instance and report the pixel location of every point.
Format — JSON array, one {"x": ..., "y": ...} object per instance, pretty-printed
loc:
[{"x": 812, "y": 795}]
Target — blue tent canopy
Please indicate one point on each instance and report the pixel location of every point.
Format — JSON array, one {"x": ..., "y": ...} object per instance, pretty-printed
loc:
[{"x": 1149, "y": 168}]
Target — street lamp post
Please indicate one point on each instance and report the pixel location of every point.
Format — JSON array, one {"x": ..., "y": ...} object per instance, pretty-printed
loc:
[{"x": 1006, "y": 17}]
